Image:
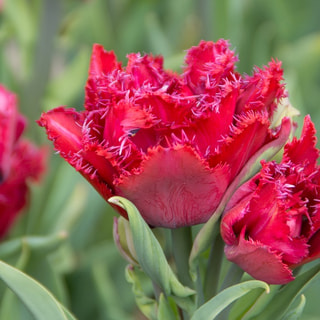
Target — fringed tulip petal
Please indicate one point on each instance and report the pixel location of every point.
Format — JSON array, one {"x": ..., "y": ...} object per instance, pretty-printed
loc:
[
  {"x": 171, "y": 143},
  {"x": 271, "y": 224},
  {"x": 259, "y": 261},
  {"x": 175, "y": 188}
]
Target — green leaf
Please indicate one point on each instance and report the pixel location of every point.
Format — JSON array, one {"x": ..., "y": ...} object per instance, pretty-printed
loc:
[
  {"x": 214, "y": 306},
  {"x": 123, "y": 239},
  {"x": 248, "y": 302},
  {"x": 282, "y": 300},
  {"x": 204, "y": 238},
  {"x": 37, "y": 299},
  {"x": 167, "y": 309},
  {"x": 295, "y": 313},
  {"x": 149, "y": 252},
  {"x": 147, "y": 305}
]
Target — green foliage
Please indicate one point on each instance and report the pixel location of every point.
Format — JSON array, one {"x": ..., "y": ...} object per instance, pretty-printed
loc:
[
  {"x": 64, "y": 239},
  {"x": 39, "y": 302},
  {"x": 222, "y": 300},
  {"x": 150, "y": 254}
]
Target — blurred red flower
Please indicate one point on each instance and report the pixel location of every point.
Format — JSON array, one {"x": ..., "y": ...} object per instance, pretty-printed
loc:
[
  {"x": 20, "y": 161},
  {"x": 169, "y": 143},
  {"x": 272, "y": 223}
]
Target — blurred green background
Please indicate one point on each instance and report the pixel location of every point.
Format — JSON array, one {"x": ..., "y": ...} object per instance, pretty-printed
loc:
[{"x": 44, "y": 57}]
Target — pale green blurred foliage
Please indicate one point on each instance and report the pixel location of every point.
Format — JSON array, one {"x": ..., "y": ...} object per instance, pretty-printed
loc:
[{"x": 44, "y": 57}]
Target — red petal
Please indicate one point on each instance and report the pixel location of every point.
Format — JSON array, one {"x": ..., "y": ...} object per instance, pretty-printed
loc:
[
  {"x": 207, "y": 64},
  {"x": 174, "y": 188},
  {"x": 13, "y": 198},
  {"x": 166, "y": 109},
  {"x": 267, "y": 222},
  {"x": 103, "y": 70},
  {"x": 303, "y": 151},
  {"x": 11, "y": 127},
  {"x": 67, "y": 131},
  {"x": 146, "y": 70},
  {"x": 259, "y": 261},
  {"x": 250, "y": 135},
  {"x": 211, "y": 126},
  {"x": 229, "y": 232},
  {"x": 314, "y": 249},
  {"x": 102, "y": 62},
  {"x": 64, "y": 129},
  {"x": 262, "y": 90}
]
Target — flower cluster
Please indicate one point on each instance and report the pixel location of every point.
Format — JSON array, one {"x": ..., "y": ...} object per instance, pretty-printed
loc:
[
  {"x": 20, "y": 161},
  {"x": 171, "y": 143},
  {"x": 272, "y": 223}
]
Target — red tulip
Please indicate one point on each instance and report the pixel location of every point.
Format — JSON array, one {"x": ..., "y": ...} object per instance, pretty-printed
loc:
[
  {"x": 169, "y": 143},
  {"x": 19, "y": 161},
  {"x": 272, "y": 223}
]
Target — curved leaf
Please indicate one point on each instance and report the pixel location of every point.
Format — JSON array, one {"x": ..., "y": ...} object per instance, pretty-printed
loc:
[
  {"x": 282, "y": 300},
  {"x": 37, "y": 299},
  {"x": 167, "y": 309},
  {"x": 295, "y": 313},
  {"x": 214, "y": 306},
  {"x": 149, "y": 252}
]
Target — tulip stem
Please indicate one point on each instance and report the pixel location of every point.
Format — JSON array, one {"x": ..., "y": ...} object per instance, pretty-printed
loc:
[
  {"x": 156, "y": 290},
  {"x": 181, "y": 247},
  {"x": 212, "y": 276},
  {"x": 233, "y": 276}
]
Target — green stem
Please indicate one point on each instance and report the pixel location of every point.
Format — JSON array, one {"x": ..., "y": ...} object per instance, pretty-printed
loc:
[
  {"x": 199, "y": 289},
  {"x": 233, "y": 276},
  {"x": 181, "y": 247},
  {"x": 211, "y": 282},
  {"x": 156, "y": 290}
]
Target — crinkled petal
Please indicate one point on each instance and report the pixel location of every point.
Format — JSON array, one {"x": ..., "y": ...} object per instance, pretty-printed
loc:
[
  {"x": 259, "y": 261},
  {"x": 210, "y": 128},
  {"x": 174, "y": 188},
  {"x": 65, "y": 127},
  {"x": 251, "y": 133},
  {"x": 146, "y": 70},
  {"x": 207, "y": 64},
  {"x": 103, "y": 71},
  {"x": 303, "y": 151},
  {"x": 228, "y": 227},
  {"x": 262, "y": 90},
  {"x": 268, "y": 223},
  {"x": 102, "y": 61}
]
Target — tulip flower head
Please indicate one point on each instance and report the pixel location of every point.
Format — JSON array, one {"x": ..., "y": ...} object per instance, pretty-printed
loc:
[
  {"x": 272, "y": 223},
  {"x": 170, "y": 143},
  {"x": 20, "y": 161}
]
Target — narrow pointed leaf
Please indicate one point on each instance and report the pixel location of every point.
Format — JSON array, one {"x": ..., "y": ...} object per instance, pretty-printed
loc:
[
  {"x": 283, "y": 299},
  {"x": 296, "y": 313},
  {"x": 167, "y": 310},
  {"x": 214, "y": 306},
  {"x": 37, "y": 299},
  {"x": 147, "y": 305}
]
